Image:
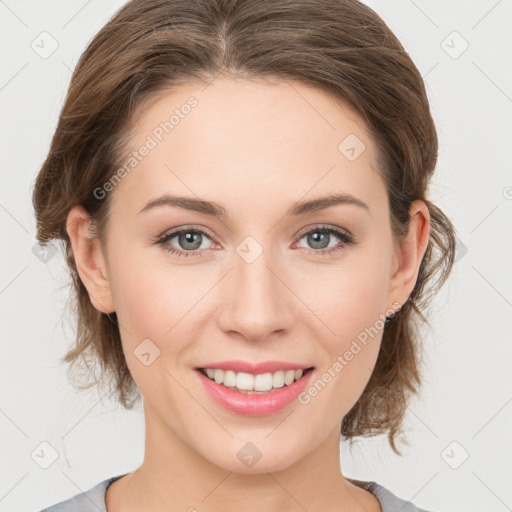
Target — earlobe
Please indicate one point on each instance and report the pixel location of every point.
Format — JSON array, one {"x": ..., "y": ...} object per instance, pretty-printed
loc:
[
  {"x": 89, "y": 259},
  {"x": 410, "y": 253}
]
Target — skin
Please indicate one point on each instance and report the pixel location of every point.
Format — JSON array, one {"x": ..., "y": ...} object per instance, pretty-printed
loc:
[{"x": 256, "y": 148}]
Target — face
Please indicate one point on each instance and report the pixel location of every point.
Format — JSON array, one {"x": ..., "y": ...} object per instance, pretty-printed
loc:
[{"x": 260, "y": 282}]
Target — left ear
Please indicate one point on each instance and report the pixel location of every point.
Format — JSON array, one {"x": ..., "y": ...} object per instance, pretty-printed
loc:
[{"x": 410, "y": 254}]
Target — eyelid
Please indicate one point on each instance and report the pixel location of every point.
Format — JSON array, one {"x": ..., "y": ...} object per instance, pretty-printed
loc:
[
  {"x": 190, "y": 227},
  {"x": 326, "y": 227}
]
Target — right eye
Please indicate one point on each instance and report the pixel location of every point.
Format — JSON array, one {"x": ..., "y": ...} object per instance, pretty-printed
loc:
[{"x": 189, "y": 241}]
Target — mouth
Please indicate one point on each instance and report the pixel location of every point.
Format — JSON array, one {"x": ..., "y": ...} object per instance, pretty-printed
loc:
[
  {"x": 255, "y": 384},
  {"x": 254, "y": 394}
]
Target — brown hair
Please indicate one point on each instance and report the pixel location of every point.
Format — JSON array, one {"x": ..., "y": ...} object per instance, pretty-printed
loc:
[{"x": 340, "y": 46}]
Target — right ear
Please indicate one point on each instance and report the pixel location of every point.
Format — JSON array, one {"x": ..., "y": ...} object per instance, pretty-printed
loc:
[{"x": 89, "y": 259}]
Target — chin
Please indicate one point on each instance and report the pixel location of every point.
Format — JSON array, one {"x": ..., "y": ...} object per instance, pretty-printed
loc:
[{"x": 253, "y": 455}]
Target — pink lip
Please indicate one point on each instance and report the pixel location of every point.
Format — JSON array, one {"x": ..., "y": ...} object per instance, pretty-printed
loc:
[
  {"x": 262, "y": 404},
  {"x": 254, "y": 368}
]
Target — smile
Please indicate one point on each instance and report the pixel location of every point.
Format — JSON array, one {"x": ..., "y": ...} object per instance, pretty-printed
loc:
[
  {"x": 254, "y": 394},
  {"x": 251, "y": 384}
]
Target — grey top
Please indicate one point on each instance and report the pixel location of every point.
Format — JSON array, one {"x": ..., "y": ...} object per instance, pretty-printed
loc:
[{"x": 93, "y": 500}]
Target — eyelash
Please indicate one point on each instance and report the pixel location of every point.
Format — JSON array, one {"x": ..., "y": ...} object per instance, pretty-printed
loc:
[{"x": 345, "y": 238}]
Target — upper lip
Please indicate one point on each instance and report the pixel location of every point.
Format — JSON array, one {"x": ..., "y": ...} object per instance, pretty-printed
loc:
[{"x": 254, "y": 368}]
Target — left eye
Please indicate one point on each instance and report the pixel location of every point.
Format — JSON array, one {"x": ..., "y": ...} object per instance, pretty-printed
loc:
[{"x": 319, "y": 238}]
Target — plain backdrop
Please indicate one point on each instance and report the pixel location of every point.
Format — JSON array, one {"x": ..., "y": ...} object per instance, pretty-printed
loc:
[{"x": 458, "y": 429}]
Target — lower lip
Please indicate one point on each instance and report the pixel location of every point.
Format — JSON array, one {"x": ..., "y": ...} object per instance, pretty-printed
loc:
[{"x": 262, "y": 404}]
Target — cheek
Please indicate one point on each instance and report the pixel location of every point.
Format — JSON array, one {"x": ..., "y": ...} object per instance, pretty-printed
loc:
[
  {"x": 151, "y": 310},
  {"x": 351, "y": 353},
  {"x": 149, "y": 295},
  {"x": 354, "y": 310},
  {"x": 156, "y": 302},
  {"x": 350, "y": 299}
]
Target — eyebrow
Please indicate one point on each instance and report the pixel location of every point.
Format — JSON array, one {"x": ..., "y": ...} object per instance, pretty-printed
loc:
[{"x": 216, "y": 210}]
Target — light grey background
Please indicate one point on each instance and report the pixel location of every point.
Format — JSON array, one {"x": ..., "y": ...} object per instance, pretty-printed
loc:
[{"x": 465, "y": 407}]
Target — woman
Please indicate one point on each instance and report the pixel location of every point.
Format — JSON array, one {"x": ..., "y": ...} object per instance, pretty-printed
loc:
[{"x": 241, "y": 191}]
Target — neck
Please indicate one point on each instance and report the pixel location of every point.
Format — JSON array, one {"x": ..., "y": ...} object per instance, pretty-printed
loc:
[{"x": 174, "y": 476}]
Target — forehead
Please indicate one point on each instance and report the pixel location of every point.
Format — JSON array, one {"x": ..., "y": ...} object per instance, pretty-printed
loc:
[{"x": 248, "y": 141}]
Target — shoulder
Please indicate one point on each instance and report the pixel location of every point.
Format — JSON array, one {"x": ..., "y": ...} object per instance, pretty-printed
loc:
[
  {"x": 389, "y": 502},
  {"x": 92, "y": 500}
]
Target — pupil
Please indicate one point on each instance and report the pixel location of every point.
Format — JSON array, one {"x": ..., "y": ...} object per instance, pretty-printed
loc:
[
  {"x": 190, "y": 238},
  {"x": 317, "y": 239}
]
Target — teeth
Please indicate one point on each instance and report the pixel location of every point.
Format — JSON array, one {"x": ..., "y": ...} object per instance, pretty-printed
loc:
[
  {"x": 229, "y": 378},
  {"x": 278, "y": 380},
  {"x": 248, "y": 382},
  {"x": 219, "y": 376}
]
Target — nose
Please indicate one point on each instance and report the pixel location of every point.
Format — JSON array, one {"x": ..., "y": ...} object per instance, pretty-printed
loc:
[{"x": 257, "y": 301}]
